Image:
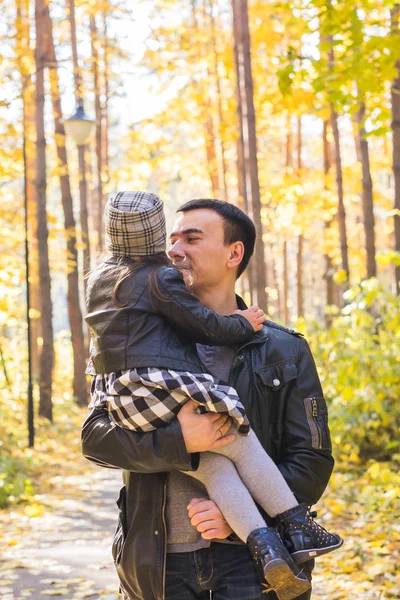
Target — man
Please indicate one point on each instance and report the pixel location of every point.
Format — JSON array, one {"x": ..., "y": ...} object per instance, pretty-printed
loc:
[{"x": 172, "y": 542}]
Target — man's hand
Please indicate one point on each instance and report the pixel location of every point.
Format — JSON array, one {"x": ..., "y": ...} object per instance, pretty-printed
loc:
[
  {"x": 208, "y": 519},
  {"x": 254, "y": 315},
  {"x": 203, "y": 432}
]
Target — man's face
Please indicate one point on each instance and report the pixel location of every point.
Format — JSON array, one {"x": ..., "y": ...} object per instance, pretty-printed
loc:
[{"x": 197, "y": 242}]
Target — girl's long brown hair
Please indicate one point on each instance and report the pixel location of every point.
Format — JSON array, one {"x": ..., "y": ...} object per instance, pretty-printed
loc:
[{"x": 129, "y": 266}]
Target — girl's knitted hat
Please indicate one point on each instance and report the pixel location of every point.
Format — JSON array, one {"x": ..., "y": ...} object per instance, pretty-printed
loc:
[{"x": 135, "y": 224}]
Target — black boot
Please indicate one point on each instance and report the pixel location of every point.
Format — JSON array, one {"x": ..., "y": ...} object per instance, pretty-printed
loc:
[
  {"x": 275, "y": 565},
  {"x": 304, "y": 538}
]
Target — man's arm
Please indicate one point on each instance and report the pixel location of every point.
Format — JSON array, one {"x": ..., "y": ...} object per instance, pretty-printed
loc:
[
  {"x": 189, "y": 316},
  {"x": 307, "y": 462},
  {"x": 110, "y": 446},
  {"x": 172, "y": 447}
]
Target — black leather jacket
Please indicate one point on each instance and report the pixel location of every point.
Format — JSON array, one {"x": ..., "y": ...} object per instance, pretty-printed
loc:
[
  {"x": 149, "y": 331},
  {"x": 275, "y": 376}
]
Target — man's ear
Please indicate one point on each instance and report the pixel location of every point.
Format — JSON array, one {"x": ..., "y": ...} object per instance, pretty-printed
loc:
[{"x": 236, "y": 253}]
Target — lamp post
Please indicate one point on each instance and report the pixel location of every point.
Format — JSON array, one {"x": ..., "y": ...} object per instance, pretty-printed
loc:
[{"x": 80, "y": 129}]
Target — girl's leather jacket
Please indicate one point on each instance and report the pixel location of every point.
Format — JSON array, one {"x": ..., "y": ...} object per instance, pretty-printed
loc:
[{"x": 150, "y": 330}]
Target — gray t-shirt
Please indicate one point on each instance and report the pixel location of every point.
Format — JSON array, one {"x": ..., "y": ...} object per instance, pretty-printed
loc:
[{"x": 181, "y": 488}]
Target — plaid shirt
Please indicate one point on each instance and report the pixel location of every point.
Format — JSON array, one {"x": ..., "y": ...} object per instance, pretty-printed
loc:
[{"x": 145, "y": 399}]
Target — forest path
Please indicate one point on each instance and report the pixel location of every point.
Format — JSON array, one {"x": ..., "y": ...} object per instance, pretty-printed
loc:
[
  {"x": 64, "y": 549},
  {"x": 60, "y": 544}
]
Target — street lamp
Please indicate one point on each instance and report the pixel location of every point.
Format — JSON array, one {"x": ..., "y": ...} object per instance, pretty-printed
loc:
[{"x": 79, "y": 127}]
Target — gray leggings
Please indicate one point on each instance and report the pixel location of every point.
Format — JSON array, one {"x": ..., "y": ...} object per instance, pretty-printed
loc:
[{"x": 237, "y": 475}]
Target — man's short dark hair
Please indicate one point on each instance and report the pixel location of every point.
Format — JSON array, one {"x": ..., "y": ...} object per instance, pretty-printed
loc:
[{"x": 238, "y": 227}]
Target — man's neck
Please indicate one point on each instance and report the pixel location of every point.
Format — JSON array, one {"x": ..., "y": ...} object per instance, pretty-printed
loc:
[{"x": 221, "y": 299}]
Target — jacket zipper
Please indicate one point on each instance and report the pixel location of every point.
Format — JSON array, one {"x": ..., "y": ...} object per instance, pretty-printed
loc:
[
  {"x": 314, "y": 410},
  {"x": 314, "y": 407},
  {"x": 165, "y": 538}
]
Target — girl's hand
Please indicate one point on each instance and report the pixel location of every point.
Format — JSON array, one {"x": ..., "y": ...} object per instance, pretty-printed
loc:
[{"x": 254, "y": 315}]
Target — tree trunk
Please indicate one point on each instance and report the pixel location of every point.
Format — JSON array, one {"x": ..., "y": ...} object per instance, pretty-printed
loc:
[
  {"x": 395, "y": 14},
  {"x": 219, "y": 99},
  {"x": 47, "y": 353},
  {"x": 299, "y": 146},
  {"x": 91, "y": 193},
  {"x": 206, "y": 108},
  {"x": 300, "y": 239},
  {"x": 300, "y": 295},
  {"x": 355, "y": 126},
  {"x": 285, "y": 284},
  {"x": 240, "y": 15},
  {"x": 106, "y": 173},
  {"x": 84, "y": 215},
  {"x": 274, "y": 269},
  {"x": 327, "y": 225},
  {"x": 83, "y": 198},
  {"x": 285, "y": 275},
  {"x": 99, "y": 126},
  {"x": 339, "y": 184},
  {"x": 288, "y": 145},
  {"x": 367, "y": 193},
  {"x": 212, "y": 162},
  {"x": 28, "y": 98},
  {"x": 339, "y": 178},
  {"x": 73, "y": 300},
  {"x": 242, "y": 163}
]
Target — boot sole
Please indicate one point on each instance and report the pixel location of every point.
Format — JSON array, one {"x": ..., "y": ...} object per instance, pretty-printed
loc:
[
  {"x": 284, "y": 583},
  {"x": 303, "y": 555}
]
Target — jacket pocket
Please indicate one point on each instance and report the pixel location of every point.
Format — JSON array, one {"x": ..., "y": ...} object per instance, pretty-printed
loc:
[
  {"x": 277, "y": 376},
  {"x": 120, "y": 532},
  {"x": 317, "y": 417}
]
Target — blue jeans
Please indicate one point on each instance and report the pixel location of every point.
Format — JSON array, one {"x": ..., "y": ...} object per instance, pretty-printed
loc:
[{"x": 228, "y": 571}]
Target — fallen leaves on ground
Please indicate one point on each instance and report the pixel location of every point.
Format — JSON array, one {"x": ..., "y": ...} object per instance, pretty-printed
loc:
[
  {"x": 71, "y": 511},
  {"x": 363, "y": 507}
]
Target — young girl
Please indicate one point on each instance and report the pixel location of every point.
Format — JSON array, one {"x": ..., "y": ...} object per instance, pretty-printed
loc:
[{"x": 144, "y": 323}]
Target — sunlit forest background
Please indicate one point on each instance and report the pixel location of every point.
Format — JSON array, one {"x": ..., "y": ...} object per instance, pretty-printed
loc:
[{"x": 290, "y": 110}]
